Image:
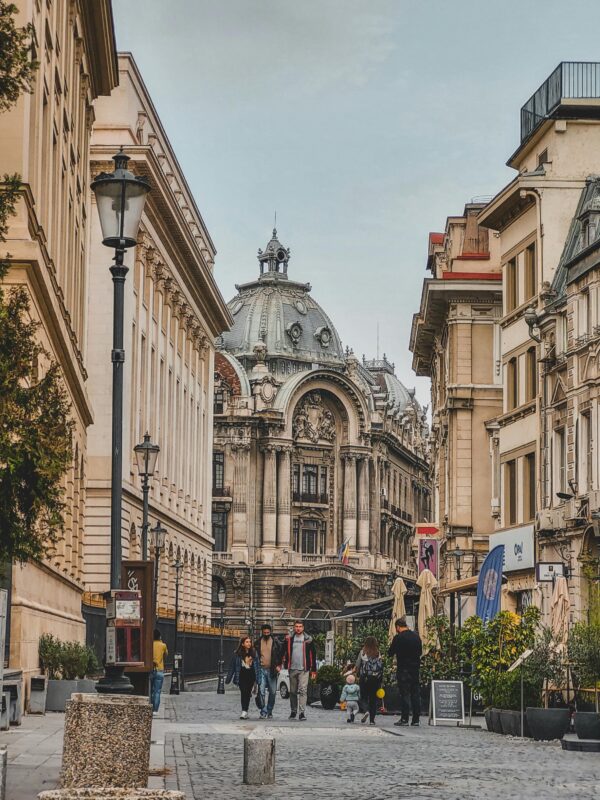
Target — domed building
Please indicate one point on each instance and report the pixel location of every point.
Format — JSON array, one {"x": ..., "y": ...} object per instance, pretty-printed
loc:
[{"x": 320, "y": 460}]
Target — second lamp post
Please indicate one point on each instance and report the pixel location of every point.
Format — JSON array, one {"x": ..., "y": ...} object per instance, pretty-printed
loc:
[{"x": 146, "y": 455}]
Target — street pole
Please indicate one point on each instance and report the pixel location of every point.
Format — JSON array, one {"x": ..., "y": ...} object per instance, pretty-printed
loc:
[
  {"x": 156, "y": 574},
  {"x": 176, "y": 676},
  {"x": 221, "y": 667},
  {"x": 145, "y": 522}
]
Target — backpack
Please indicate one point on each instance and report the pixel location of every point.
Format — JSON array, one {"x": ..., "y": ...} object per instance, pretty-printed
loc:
[{"x": 372, "y": 667}]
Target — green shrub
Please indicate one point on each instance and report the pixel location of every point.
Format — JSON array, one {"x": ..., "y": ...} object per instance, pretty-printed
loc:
[
  {"x": 66, "y": 660},
  {"x": 49, "y": 650},
  {"x": 584, "y": 653},
  {"x": 329, "y": 674}
]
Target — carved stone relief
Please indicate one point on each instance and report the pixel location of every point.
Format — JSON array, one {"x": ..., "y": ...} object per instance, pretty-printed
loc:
[{"x": 313, "y": 421}]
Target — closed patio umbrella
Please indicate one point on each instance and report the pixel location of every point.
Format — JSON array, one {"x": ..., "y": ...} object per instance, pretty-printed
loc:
[
  {"x": 559, "y": 610},
  {"x": 427, "y": 583},
  {"x": 399, "y": 609}
]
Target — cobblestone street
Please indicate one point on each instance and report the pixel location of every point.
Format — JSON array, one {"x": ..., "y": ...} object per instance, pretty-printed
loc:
[{"x": 349, "y": 762}]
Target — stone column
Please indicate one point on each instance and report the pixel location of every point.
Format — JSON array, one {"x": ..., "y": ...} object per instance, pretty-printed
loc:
[
  {"x": 241, "y": 453},
  {"x": 269, "y": 511},
  {"x": 349, "y": 526},
  {"x": 284, "y": 508},
  {"x": 363, "y": 505}
]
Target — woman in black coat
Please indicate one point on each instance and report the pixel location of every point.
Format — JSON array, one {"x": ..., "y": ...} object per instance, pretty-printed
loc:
[{"x": 243, "y": 673}]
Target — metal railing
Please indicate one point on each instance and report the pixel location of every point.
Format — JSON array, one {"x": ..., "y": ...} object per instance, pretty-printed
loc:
[
  {"x": 572, "y": 80},
  {"x": 309, "y": 497},
  {"x": 221, "y": 491}
]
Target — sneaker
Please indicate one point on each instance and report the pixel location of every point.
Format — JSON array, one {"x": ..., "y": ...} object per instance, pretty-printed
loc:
[
  {"x": 263, "y": 715},
  {"x": 365, "y": 717},
  {"x": 401, "y": 722},
  {"x": 302, "y": 717},
  {"x": 352, "y": 716},
  {"x": 415, "y": 723},
  {"x": 244, "y": 715},
  {"x": 155, "y": 713},
  {"x": 269, "y": 716},
  {"x": 292, "y": 715},
  {"x": 349, "y": 721},
  {"x": 372, "y": 722}
]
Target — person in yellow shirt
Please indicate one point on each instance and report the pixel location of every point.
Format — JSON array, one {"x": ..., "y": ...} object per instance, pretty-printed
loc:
[{"x": 159, "y": 651}]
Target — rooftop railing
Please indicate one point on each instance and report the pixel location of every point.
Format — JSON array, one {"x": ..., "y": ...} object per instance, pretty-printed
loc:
[{"x": 571, "y": 80}]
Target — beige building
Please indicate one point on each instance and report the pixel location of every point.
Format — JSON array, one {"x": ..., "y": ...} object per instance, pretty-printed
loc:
[
  {"x": 173, "y": 313},
  {"x": 535, "y": 440},
  {"x": 314, "y": 451},
  {"x": 455, "y": 341},
  {"x": 45, "y": 138}
]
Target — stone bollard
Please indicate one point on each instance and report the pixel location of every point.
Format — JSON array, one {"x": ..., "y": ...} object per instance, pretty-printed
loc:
[
  {"x": 259, "y": 759},
  {"x": 3, "y": 765},
  {"x": 107, "y": 741},
  {"x": 111, "y": 794}
]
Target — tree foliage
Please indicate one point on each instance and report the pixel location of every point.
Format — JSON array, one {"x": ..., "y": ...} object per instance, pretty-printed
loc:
[
  {"x": 17, "y": 69},
  {"x": 35, "y": 429}
]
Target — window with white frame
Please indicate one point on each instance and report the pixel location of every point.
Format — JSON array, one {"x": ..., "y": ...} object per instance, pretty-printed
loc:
[{"x": 560, "y": 462}]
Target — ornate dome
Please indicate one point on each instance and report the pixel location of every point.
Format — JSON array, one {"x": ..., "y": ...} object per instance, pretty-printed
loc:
[{"x": 280, "y": 314}]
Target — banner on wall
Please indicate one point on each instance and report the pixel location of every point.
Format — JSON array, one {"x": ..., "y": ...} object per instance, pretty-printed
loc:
[{"x": 429, "y": 551}]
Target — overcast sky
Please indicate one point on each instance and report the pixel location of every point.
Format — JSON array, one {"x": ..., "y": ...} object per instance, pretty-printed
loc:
[{"x": 364, "y": 123}]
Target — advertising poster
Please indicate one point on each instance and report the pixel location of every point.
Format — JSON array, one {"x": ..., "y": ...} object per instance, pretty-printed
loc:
[{"x": 428, "y": 555}]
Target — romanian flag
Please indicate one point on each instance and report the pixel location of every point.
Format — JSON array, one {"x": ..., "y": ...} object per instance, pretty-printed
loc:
[{"x": 344, "y": 552}]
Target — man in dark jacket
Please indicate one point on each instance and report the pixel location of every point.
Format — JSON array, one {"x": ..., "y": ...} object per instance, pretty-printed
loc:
[
  {"x": 268, "y": 655},
  {"x": 300, "y": 659},
  {"x": 406, "y": 646}
]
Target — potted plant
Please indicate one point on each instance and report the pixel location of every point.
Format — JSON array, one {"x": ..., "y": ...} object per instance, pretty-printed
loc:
[
  {"x": 329, "y": 679},
  {"x": 66, "y": 665},
  {"x": 546, "y": 666},
  {"x": 584, "y": 655}
]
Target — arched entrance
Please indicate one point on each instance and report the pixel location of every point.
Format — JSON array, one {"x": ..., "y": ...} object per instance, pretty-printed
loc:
[{"x": 318, "y": 600}]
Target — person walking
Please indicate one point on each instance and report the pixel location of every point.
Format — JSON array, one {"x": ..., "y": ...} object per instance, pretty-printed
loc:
[
  {"x": 407, "y": 647},
  {"x": 157, "y": 677},
  {"x": 369, "y": 668},
  {"x": 268, "y": 665},
  {"x": 242, "y": 672},
  {"x": 350, "y": 696},
  {"x": 300, "y": 658}
]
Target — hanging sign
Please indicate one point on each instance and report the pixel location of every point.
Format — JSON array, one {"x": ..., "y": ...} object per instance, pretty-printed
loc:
[{"x": 446, "y": 702}]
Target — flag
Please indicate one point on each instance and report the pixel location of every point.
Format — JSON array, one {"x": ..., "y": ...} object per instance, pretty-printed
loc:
[
  {"x": 490, "y": 584},
  {"x": 344, "y": 551}
]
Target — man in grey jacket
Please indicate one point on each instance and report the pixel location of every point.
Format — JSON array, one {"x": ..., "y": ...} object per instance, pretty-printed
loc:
[{"x": 301, "y": 660}]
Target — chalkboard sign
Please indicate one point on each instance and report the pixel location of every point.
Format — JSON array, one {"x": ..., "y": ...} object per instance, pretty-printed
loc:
[{"x": 447, "y": 703}]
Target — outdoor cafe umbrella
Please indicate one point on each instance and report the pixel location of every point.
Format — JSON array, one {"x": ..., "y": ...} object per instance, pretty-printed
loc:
[
  {"x": 399, "y": 609},
  {"x": 427, "y": 583},
  {"x": 559, "y": 610}
]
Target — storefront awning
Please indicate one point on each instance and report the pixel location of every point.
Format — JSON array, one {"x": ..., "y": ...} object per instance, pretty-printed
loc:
[{"x": 366, "y": 608}]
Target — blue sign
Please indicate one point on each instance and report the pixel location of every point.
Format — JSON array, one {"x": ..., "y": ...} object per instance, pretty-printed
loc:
[{"x": 490, "y": 584}]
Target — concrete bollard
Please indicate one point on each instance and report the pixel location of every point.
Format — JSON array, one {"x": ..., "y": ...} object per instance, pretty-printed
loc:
[
  {"x": 259, "y": 759},
  {"x": 3, "y": 766}
]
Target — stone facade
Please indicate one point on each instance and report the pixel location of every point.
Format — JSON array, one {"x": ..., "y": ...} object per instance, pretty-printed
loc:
[
  {"x": 455, "y": 341},
  {"x": 173, "y": 312},
  {"x": 548, "y": 332},
  {"x": 313, "y": 451},
  {"x": 45, "y": 138}
]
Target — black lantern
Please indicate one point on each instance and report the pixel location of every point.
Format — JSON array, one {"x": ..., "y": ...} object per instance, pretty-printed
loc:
[
  {"x": 146, "y": 455},
  {"x": 120, "y": 197},
  {"x": 158, "y": 538}
]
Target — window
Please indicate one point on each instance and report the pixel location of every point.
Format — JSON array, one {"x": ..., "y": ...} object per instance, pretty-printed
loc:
[
  {"x": 583, "y": 309},
  {"x": 511, "y": 285},
  {"x": 512, "y": 385},
  {"x": 530, "y": 272},
  {"x": 543, "y": 157},
  {"x": 219, "y": 401},
  {"x": 309, "y": 483},
  {"x": 531, "y": 374},
  {"x": 218, "y": 471},
  {"x": 586, "y": 453},
  {"x": 510, "y": 492},
  {"x": 296, "y": 480},
  {"x": 219, "y": 531},
  {"x": 309, "y": 479},
  {"x": 529, "y": 479},
  {"x": 323, "y": 482},
  {"x": 309, "y": 536},
  {"x": 560, "y": 453}
]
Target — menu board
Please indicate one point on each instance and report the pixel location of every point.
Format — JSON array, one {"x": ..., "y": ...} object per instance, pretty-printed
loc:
[{"x": 447, "y": 703}]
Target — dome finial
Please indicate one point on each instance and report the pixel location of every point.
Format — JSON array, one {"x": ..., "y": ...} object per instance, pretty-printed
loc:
[{"x": 274, "y": 260}]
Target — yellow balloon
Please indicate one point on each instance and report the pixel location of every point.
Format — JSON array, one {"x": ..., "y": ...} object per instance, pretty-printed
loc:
[{"x": 380, "y": 693}]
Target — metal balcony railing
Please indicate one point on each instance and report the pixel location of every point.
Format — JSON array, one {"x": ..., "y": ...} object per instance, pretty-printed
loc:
[
  {"x": 308, "y": 497},
  {"x": 571, "y": 80},
  {"x": 221, "y": 491}
]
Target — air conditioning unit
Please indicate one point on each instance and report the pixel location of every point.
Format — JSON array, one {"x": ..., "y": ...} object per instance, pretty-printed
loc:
[{"x": 546, "y": 520}]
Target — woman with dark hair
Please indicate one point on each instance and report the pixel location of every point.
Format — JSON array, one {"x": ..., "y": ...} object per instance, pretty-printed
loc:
[
  {"x": 369, "y": 668},
  {"x": 242, "y": 672}
]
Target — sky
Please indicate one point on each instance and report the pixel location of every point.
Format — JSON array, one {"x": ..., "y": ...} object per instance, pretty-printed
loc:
[{"x": 362, "y": 123}]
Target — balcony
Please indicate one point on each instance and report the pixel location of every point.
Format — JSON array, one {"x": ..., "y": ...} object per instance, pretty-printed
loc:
[
  {"x": 221, "y": 491},
  {"x": 571, "y": 80},
  {"x": 307, "y": 497}
]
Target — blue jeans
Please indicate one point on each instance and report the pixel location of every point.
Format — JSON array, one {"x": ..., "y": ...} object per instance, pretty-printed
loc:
[
  {"x": 157, "y": 677},
  {"x": 266, "y": 682}
]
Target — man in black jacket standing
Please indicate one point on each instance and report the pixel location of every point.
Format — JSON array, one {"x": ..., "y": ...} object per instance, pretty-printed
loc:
[
  {"x": 406, "y": 646},
  {"x": 269, "y": 655}
]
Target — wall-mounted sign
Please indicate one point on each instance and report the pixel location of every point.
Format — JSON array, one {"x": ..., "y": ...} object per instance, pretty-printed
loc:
[
  {"x": 427, "y": 529},
  {"x": 546, "y": 571},
  {"x": 429, "y": 555},
  {"x": 519, "y": 550}
]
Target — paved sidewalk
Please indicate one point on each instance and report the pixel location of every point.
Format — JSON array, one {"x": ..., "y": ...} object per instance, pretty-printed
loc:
[{"x": 34, "y": 755}]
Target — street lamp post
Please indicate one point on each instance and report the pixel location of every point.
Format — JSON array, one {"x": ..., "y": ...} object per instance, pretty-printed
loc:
[
  {"x": 146, "y": 455},
  {"x": 120, "y": 197},
  {"x": 221, "y": 667},
  {"x": 158, "y": 534},
  {"x": 458, "y": 554},
  {"x": 175, "y": 687}
]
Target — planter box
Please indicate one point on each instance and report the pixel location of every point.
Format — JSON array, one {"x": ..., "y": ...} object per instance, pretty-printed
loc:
[
  {"x": 495, "y": 720},
  {"x": 329, "y": 695},
  {"x": 510, "y": 722},
  {"x": 38, "y": 688},
  {"x": 313, "y": 693},
  {"x": 546, "y": 724},
  {"x": 587, "y": 725},
  {"x": 60, "y": 691}
]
